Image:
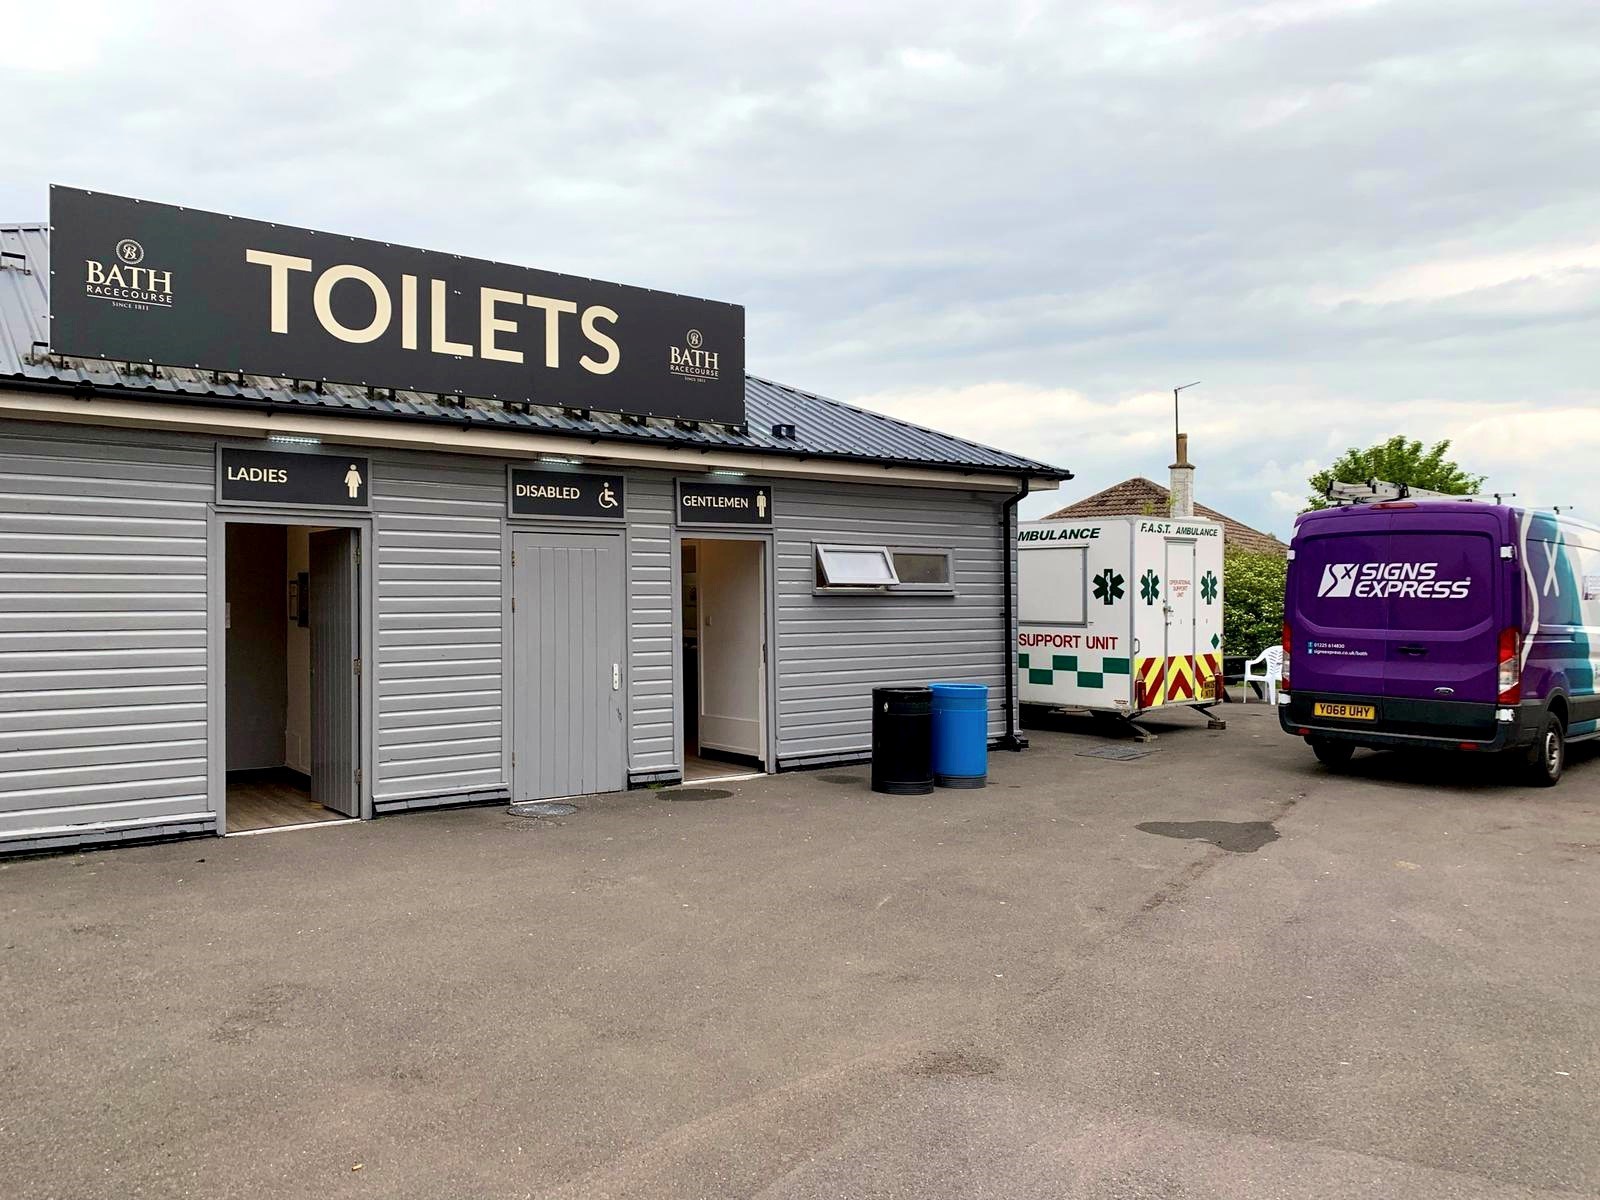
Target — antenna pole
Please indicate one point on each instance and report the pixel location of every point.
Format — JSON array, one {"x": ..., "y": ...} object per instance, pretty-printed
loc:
[{"x": 1175, "y": 425}]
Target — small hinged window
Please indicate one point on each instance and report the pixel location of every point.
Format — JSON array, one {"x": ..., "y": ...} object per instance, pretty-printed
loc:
[{"x": 855, "y": 567}]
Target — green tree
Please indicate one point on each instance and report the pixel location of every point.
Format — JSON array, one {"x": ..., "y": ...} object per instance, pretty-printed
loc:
[
  {"x": 1398, "y": 460},
  {"x": 1252, "y": 601}
]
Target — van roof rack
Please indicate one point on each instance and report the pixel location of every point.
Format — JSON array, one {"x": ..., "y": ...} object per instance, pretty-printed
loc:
[{"x": 1379, "y": 491}]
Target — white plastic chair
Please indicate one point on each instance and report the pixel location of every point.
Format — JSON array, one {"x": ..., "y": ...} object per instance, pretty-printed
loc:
[{"x": 1271, "y": 672}]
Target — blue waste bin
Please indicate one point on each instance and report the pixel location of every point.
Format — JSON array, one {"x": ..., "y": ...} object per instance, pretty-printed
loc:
[{"x": 960, "y": 734}]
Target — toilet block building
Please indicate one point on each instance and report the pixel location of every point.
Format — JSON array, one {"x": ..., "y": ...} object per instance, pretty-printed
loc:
[{"x": 299, "y": 527}]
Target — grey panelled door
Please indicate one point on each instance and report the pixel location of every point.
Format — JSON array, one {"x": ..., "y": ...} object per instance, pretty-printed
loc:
[
  {"x": 335, "y": 716},
  {"x": 567, "y": 661}
]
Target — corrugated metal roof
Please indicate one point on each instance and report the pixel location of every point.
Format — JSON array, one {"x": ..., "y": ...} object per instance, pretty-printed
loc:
[{"x": 823, "y": 428}]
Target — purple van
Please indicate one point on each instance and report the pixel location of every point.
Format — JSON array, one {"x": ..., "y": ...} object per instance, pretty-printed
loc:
[{"x": 1446, "y": 625}]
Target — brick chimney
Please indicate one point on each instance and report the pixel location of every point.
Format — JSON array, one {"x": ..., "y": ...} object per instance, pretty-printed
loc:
[{"x": 1181, "y": 488}]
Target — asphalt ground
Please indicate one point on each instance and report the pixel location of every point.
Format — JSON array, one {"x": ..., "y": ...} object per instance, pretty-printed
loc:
[{"x": 1214, "y": 971}]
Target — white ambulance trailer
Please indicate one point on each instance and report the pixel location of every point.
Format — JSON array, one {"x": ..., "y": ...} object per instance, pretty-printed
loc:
[{"x": 1119, "y": 614}]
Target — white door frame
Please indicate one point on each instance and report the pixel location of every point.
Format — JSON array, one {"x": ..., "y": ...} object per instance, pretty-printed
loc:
[
  {"x": 769, "y": 691},
  {"x": 218, "y": 518},
  {"x": 1166, "y": 580}
]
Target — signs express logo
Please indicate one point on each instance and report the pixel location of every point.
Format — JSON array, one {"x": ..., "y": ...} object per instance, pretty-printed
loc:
[
  {"x": 1374, "y": 581},
  {"x": 1338, "y": 579},
  {"x": 692, "y": 360},
  {"x": 125, "y": 282}
]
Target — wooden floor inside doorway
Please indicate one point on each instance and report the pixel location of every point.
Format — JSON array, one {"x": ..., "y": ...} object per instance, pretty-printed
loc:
[
  {"x": 268, "y": 805},
  {"x": 697, "y": 769}
]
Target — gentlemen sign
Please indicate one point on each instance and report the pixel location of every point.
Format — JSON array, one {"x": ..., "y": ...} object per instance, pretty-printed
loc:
[
  {"x": 153, "y": 283},
  {"x": 724, "y": 503},
  {"x": 272, "y": 477},
  {"x": 566, "y": 494}
]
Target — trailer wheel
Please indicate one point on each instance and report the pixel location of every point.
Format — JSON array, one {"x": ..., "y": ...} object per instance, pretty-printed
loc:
[
  {"x": 1544, "y": 761},
  {"x": 1331, "y": 753}
]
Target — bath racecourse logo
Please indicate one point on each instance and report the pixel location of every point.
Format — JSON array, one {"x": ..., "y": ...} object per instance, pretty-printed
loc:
[
  {"x": 126, "y": 282},
  {"x": 692, "y": 360},
  {"x": 1374, "y": 581}
]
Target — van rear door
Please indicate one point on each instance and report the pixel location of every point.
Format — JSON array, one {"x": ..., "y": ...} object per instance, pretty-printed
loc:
[
  {"x": 1339, "y": 643},
  {"x": 1444, "y": 605}
]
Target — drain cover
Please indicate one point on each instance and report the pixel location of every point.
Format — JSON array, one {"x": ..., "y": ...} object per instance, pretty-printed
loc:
[
  {"x": 1119, "y": 753},
  {"x": 677, "y": 794},
  {"x": 543, "y": 808}
]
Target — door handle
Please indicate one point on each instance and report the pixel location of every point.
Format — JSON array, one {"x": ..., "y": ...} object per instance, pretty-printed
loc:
[
  {"x": 1413, "y": 651},
  {"x": 616, "y": 676}
]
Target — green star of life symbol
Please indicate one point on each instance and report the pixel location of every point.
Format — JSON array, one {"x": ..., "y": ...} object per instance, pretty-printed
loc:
[
  {"x": 1108, "y": 586},
  {"x": 1208, "y": 587},
  {"x": 1150, "y": 587}
]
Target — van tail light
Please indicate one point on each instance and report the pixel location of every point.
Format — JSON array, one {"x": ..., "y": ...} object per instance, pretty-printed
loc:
[
  {"x": 1510, "y": 683},
  {"x": 1288, "y": 637}
]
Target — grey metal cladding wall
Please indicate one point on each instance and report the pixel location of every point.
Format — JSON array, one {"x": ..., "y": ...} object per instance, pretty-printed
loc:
[
  {"x": 102, "y": 627},
  {"x": 833, "y": 650},
  {"x": 438, "y": 524},
  {"x": 652, "y": 625}
]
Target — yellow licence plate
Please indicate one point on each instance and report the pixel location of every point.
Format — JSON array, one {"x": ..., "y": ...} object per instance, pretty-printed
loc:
[{"x": 1348, "y": 712}]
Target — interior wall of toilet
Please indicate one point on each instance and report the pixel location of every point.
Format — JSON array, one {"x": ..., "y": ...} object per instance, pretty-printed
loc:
[
  {"x": 257, "y": 616},
  {"x": 269, "y": 651},
  {"x": 297, "y": 707}
]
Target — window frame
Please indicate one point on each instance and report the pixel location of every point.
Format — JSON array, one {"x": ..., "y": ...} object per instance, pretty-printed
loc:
[
  {"x": 947, "y": 588},
  {"x": 819, "y": 571},
  {"x": 1083, "y": 589},
  {"x": 818, "y": 588}
]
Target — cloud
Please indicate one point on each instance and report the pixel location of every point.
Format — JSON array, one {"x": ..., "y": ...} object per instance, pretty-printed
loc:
[{"x": 1286, "y": 504}]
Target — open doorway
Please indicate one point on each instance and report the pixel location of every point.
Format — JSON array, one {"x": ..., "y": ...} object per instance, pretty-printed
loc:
[
  {"x": 291, "y": 720},
  {"x": 724, "y": 624}
]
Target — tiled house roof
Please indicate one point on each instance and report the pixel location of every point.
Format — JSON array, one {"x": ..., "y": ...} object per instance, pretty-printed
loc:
[{"x": 1140, "y": 496}]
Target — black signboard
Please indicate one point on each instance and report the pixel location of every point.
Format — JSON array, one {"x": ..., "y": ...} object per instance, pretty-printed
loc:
[
  {"x": 276, "y": 477},
  {"x": 566, "y": 494},
  {"x": 705, "y": 503},
  {"x": 153, "y": 283}
]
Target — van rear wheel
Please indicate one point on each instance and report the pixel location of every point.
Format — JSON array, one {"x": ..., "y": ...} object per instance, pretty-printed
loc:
[
  {"x": 1547, "y": 757},
  {"x": 1331, "y": 753}
]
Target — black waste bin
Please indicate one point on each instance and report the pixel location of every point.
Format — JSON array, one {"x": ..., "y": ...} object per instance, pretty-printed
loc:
[{"x": 902, "y": 740}]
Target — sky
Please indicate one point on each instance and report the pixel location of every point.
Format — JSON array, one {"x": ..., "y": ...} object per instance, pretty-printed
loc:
[{"x": 1021, "y": 223}]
